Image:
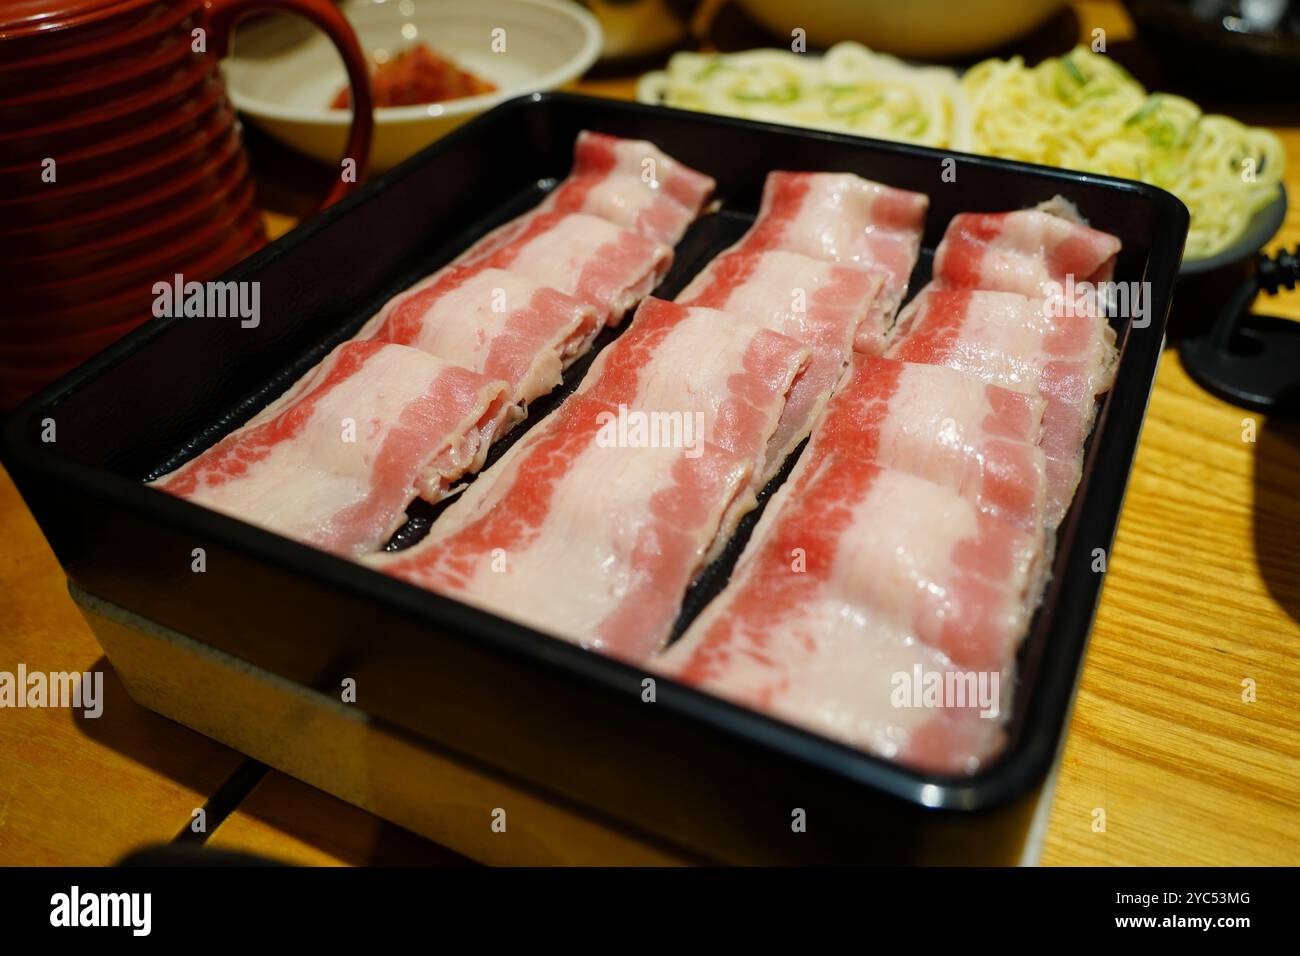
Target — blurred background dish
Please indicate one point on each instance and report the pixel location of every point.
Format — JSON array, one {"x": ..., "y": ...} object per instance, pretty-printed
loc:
[
  {"x": 1086, "y": 111},
  {"x": 284, "y": 78},
  {"x": 1253, "y": 44},
  {"x": 635, "y": 29},
  {"x": 847, "y": 89},
  {"x": 1083, "y": 110},
  {"x": 937, "y": 29}
]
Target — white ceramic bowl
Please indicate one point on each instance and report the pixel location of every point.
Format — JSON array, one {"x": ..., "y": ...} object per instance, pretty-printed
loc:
[
  {"x": 283, "y": 74},
  {"x": 912, "y": 28}
]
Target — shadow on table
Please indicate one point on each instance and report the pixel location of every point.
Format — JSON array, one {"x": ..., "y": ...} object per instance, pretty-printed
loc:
[
  {"x": 302, "y": 814},
  {"x": 192, "y": 761},
  {"x": 1277, "y": 511}
]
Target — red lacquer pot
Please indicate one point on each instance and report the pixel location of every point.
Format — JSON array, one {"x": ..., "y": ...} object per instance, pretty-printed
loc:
[{"x": 122, "y": 165}]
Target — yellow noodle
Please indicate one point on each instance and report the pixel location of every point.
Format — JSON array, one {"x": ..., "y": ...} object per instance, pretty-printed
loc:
[
  {"x": 850, "y": 89},
  {"x": 1084, "y": 111},
  {"x": 1081, "y": 111}
]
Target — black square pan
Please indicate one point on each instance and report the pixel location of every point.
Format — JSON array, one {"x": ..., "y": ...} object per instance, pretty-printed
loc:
[{"x": 697, "y": 772}]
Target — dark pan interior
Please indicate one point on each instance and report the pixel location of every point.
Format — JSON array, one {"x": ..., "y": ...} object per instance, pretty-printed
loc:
[{"x": 176, "y": 386}]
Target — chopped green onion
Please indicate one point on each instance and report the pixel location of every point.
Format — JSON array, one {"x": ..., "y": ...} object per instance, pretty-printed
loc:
[
  {"x": 912, "y": 124},
  {"x": 1150, "y": 106},
  {"x": 843, "y": 106},
  {"x": 786, "y": 94},
  {"x": 714, "y": 66},
  {"x": 1163, "y": 135}
]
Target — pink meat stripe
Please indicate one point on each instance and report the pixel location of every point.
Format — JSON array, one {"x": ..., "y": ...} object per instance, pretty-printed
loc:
[
  {"x": 858, "y": 577},
  {"x": 585, "y": 533},
  {"x": 603, "y": 235},
  {"x": 631, "y": 183},
  {"x": 1005, "y": 339},
  {"x": 842, "y": 218},
  {"x": 603, "y": 265},
  {"x": 336, "y": 460},
  {"x": 493, "y": 322},
  {"x": 819, "y": 304},
  {"x": 976, "y": 439},
  {"x": 1021, "y": 251}
]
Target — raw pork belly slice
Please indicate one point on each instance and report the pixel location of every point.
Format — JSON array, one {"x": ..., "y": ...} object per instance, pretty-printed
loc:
[
  {"x": 840, "y": 217},
  {"x": 600, "y": 153},
  {"x": 819, "y": 304},
  {"x": 735, "y": 372},
  {"x": 603, "y": 265},
  {"x": 593, "y": 535},
  {"x": 857, "y": 575},
  {"x": 1006, "y": 339},
  {"x": 976, "y": 439},
  {"x": 336, "y": 460},
  {"x": 1021, "y": 251},
  {"x": 594, "y": 545},
  {"x": 631, "y": 183},
  {"x": 493, "y": 322}
]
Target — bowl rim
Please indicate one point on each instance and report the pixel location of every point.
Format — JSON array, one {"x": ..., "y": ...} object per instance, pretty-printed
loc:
[
  {"x": 592, "y": 41},
  {"x": 1260, "y": 229}
]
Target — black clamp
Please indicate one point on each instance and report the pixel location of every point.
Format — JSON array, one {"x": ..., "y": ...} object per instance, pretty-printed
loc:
[{"x": 1247, "y": 359}]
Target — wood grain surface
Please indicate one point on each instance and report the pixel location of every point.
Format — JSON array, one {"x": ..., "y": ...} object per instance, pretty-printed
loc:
[
  {"x": 1201, "y": 600},
  {"x": 77, "y": 790}
]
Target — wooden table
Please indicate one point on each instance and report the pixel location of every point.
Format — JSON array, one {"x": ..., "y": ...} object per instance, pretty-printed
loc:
[{"x": 1202, "y": 594}]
